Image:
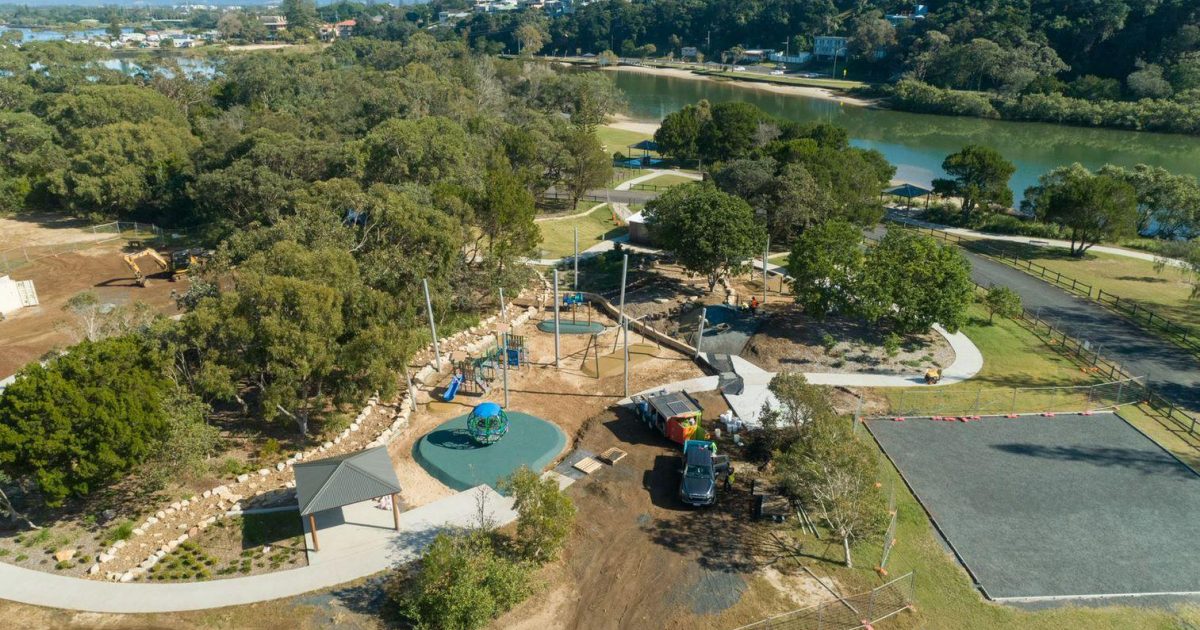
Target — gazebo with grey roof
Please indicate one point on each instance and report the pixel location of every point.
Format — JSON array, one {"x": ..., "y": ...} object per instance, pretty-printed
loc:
[{"x": 325, "y": 484}]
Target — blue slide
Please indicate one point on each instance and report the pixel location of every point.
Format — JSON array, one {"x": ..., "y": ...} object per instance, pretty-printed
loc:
[{"x": 455, "y": 383}]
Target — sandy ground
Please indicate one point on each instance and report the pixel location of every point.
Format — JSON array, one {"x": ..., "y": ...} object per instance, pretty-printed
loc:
[
  {"x": 640, "y": 559},
  {"x": 621, "y": 121},
  {"x": 31, "y": 332},
  {"x": 567, "y": 396},
  {"x": 37, "y": 230},
  {"x": 797, "y": 90}
]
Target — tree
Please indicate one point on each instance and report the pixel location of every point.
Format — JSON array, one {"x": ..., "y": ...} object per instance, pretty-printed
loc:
[
  {"x": 461, "y": 583},
  {"x": 300, "y": 14},
  {"x": 709, "y": 232},
  {"x": 913, "y": 282},
  {"x": 1168, "y": 202},
  {"x": 546, "y": 515},
  {"x": 85, "y": 419},
  {"x": 114, "y": 25},
  {"x": 825, "y": 265},
  {"x": 505, "y": 213},
  {"x": 679, "y": 134},
  {"x": 832, "y": 474},
  {"x": 871, "y": 35},
  {"x": 729, "y": 131},
  {"x": 1091, "y": 207},
  {"x": 531, "y": 38},
  {"x": 585, "y": 164},
  {"x": 422, "y": 150},
  {"x": 981, "y": 177},
  {"x": 1148, "y": 81},
  {"x": 1003, "y": 301},
  {"x": 782, "y": 424},
  {"x": 187, "y": 441},
  {"x": 124, "y": 167}
]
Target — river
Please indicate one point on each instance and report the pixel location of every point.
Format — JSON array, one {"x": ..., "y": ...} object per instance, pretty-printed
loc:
[{"x": 917, "y": 143}]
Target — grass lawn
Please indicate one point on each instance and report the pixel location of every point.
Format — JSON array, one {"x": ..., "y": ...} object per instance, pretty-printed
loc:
[
  {"x": 670, "y": 179},
  {"x": 1167, "y": 293},
  {"x": 833, "y": 84},
  {"x": 615, "y": 139},
  {"x": 1012, "y": 357},
  {"x": 558, "y": 237},
  {"x": 779, "y": 259}
]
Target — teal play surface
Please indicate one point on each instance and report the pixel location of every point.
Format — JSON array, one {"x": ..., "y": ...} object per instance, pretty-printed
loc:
[
  {"x": 567, "y": 328},
  {"x": 450, "y": 455}
]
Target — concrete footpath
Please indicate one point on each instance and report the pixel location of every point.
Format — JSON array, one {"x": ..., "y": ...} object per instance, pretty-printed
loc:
[{"x": 344, "y": 562}]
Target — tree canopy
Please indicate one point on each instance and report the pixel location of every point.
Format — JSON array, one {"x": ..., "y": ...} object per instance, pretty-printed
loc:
[
  {"x": 1090, "y": 207},
  {"x": 709, "y": 232}
]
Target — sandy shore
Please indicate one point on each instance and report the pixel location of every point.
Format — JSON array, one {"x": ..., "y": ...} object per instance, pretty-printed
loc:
[{"x": 798, "y": 90}]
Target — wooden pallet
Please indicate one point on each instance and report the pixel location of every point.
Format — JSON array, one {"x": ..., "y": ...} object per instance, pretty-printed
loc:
[
  {"x": 587, "y": 465},
  {"x": 613, "y": 455}
]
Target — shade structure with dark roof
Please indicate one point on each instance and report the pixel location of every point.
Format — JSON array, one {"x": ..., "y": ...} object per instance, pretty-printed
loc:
[
  {"x": 329, "y": 483},
  {"x": 332, "y": 482},
  {"x": 645, "y": 145},
  {"x": 909, "y": 191}
]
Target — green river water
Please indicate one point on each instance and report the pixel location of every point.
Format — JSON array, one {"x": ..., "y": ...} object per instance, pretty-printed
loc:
[{"x": 917, "y": 143}]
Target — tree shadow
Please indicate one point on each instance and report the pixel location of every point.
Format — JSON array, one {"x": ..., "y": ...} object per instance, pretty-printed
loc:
[
  {"x": 455, "y": 439},
  {"x": 1145, "y": 462}
]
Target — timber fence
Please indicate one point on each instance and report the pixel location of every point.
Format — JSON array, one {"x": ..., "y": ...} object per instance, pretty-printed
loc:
[{"x": 1180, "y": 334}]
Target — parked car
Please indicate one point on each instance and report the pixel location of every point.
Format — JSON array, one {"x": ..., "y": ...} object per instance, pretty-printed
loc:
[
  {"x": 739, "y": 68},
  {"x": 701, "y": 465},
  {"x": 777, "y": 73}
]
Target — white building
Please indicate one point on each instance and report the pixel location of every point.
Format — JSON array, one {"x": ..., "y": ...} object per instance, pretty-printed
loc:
[
  {"x": 829, "y": 46},
  {"x": 15, "y": 294}
]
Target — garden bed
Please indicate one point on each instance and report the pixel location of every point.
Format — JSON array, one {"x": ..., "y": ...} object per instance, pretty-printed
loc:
[
  {"x": 792, "y": 341},
  {"x": 236, "y": 547}
]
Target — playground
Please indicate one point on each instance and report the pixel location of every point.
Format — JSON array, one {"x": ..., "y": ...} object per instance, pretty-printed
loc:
[
  {"x": 547, "y": 405},
  {"x": 1044, "y": 508}
]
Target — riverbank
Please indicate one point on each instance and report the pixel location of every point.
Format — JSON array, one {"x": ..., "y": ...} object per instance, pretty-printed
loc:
[{"x": 749, "y": 81}]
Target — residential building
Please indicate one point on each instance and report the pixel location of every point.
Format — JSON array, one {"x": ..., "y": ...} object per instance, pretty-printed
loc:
[
  {"x": 274, "y": 23},
  {"x": 829, "y": 46}
]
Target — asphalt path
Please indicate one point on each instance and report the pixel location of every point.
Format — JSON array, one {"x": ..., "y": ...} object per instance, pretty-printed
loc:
[{"x": 1172, "y": 371}]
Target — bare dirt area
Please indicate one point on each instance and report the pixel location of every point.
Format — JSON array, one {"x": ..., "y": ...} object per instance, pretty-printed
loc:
[
  {"x": 791, "y": 341},
  {"x": 639, "y": 558},
  {"x": 31, "y": 332},
  {"x": 567, "y": 396},
  {"x": 39, "y": 229}
]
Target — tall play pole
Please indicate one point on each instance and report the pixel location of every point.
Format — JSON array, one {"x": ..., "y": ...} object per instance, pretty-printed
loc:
[
  {"x": 621, "y": 308},
  {"x": 437, "y": 355},
  {"x": 555, "y": 318},
  {"x": 766, "y": 252},
  {"x": 626, "y": 357},
  {"x": 504, "y": 362},
  {"x": 503, "y": 308},
  {"x": 575, "y": 278},
  {"x": 700, "y": 336}
]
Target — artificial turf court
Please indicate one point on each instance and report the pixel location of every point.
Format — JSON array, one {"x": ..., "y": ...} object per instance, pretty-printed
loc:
[{"x": 1044, "y": 508}]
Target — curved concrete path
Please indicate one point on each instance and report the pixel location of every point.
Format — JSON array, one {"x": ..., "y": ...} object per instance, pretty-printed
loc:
[
  {"x": 370, "y": 555},
  {"x": 629, "y": 183}
]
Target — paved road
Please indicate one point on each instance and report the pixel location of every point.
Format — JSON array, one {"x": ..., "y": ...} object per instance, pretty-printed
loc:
[{"x": 1172, "y": 371}]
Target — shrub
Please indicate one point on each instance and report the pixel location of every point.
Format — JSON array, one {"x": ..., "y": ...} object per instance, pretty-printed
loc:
[
  {"x": 828, "y": 342},
  {"x": 891, "y": 344},
  {"x": 545, "y": 514},
  {"x": 122, "y": 531},
  {"x": 461, "y": 583}
]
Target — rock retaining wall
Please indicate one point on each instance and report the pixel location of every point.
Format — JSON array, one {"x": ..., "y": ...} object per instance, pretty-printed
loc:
[{"x": 160, "y": 532}]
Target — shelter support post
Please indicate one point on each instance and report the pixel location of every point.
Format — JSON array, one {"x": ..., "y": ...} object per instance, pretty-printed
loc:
[
  {"x": 395, "y": 510},
  {"x": 312, "y": 525}
]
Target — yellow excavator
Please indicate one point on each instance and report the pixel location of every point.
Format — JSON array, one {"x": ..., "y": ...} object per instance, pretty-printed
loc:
[{"x": 131, "y": 261}]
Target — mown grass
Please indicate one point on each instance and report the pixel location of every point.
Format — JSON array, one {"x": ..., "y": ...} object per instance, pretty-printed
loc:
[
  {"x": 615, "y": 140},
  {"x": 1012, "y": 358},
  {"x": 1166, "y": 292},
  {"x": 833, "y": 84},
  {"x": 558, "y": 235},
  {"x": 670, "y": 179}
]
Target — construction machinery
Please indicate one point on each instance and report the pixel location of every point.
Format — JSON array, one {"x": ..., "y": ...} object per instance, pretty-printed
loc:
[
  {"x": 181, "y": 262},
  {"x": 131, "y": 262}
]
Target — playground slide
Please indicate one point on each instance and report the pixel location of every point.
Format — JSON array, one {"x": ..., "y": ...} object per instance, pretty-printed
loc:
[{"x": 452, "y": 390}]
